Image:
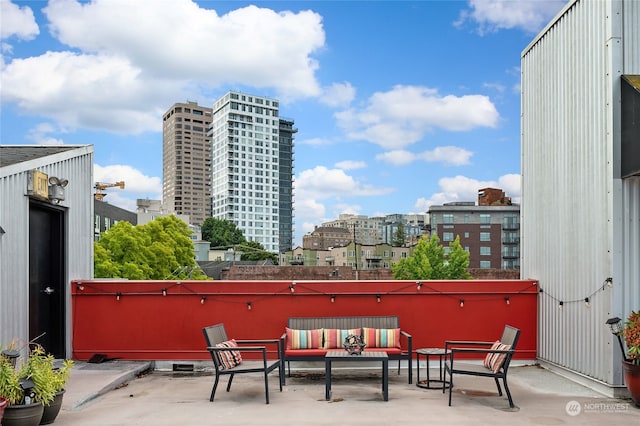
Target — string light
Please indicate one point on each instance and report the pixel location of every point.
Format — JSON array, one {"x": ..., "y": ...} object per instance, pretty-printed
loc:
[
  {"x": 203, "y": 299},
  {"x": 118, "y": 295},
  {"x": 79, "y": 286},
  {"x": 291, "y": 287},
  {"x": 378, "y": 298},
  {"x": 249, "y": 305},
  {"x": 164, "y": 291},
  {"x": 462, "y": 303},
  {"x": 419, "y": 284},
  {"x": 607, "y": 283},
  {"x": 507, "y": 301},
  {"x": 333, "y": 298}
]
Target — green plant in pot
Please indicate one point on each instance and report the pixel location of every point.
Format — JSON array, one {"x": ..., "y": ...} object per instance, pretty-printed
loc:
[
  {"x": 631, "y": 365},
  {"x": 20, "y": 410},
  {"x": 630, "y": 331},
  {"x": 37, "y": 382},
  {"x": 49, "y": 381}
]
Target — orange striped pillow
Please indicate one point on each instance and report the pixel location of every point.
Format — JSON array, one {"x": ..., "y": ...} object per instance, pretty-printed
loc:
[
  {"x": 334, "y": 337},
  {"x": 494, "y": 361},
  {"x": 228, "y": 359},
  {"x": 304, "y": 339},
  {"x": 382, "y": 337}
]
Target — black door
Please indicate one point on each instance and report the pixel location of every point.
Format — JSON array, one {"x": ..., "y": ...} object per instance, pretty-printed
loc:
[{"x": 46, "y": 277}]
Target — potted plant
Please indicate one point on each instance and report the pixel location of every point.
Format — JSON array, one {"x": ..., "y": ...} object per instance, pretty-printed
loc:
[
  {"x": 49, "y": 380},
  {"x": 36, "y": 383},
  {"x": 20, "y": 410},
  {"x": 631, "y": 364}
]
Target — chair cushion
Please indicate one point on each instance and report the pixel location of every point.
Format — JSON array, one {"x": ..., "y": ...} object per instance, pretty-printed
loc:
[
  {"x": 494, "y": 361},
  {"x": 334, "y": 337},
  {"x": 304, "y": 339},
  {"x": 381, "y": 337},
  {"x": 228, "y": 359}
]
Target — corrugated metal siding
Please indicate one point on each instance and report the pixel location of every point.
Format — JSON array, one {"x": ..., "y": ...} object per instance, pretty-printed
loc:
[
  {"x": 76, "y": 166},
  {"x": 572, "y": 215}
]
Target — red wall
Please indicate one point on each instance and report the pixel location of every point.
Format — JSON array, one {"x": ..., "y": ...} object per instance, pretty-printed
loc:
[{"x": 145, "y": 325}]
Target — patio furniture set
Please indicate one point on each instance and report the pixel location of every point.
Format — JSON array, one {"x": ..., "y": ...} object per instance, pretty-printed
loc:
[{"x": 322, "y": 339}]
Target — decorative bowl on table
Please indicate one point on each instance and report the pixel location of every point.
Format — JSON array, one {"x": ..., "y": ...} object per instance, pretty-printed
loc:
[{"x": 354, "y": 344}]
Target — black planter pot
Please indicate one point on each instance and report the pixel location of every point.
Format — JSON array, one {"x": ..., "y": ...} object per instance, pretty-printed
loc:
[
  {"x": 23, "y": 415},
  {"x": 51, "y": 411}
]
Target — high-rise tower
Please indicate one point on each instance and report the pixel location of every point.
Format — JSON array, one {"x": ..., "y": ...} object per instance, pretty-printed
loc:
[
  {"x": 252, "y": 168},
  {"x": 186, "y": 161}
]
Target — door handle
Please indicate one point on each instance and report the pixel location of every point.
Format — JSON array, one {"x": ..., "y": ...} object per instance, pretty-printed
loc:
[{"x": 48, "y": 291}]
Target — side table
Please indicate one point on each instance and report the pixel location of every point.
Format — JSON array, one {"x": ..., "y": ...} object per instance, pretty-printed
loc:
[{"x": 428, "y": 352}]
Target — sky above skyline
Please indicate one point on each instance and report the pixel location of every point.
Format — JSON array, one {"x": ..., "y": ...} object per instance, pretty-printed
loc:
[{"x": 399, "y": 105}]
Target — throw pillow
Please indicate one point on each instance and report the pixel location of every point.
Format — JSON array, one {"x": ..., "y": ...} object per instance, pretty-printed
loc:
[
  {"x": 382, "y": 337},
  {"x": 334, "y": 337},
  {"x": 228, "y": 359},
  {"x": 494, "y": 361},
  {"x": 304, "y": 339}
]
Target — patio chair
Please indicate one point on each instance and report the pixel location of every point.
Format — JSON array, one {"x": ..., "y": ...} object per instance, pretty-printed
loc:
[
  {"x": 495, "y": 364},
  {"x": 227, "y": 357}
]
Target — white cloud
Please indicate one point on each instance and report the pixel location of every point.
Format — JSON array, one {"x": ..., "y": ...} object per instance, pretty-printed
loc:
[
  {"x": 123, "y": 69},
  {"x": 446, "y": 155},
  {"x": 397, "y": 157},
  {"x": 338, "y": 95},
  {"x": 351, "y": 165},
  {"x": 462, "y": 188},
  {"x": 314, "y": 141},
  {"x": 260, "y": 47},
  {"x": 403, "y": 115},
  {"x": 136, "y": 183},
  {"x": 17, "y": 21},
  {"x": 322, "y": 183},
  {"x": 494, "y": 15}
]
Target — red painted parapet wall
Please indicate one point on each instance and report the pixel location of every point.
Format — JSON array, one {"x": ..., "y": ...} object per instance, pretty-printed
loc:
[{"x": 163, "y": 320}]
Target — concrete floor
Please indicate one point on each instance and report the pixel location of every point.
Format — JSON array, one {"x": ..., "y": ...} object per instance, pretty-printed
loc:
[{"x": 127, "y": 393}]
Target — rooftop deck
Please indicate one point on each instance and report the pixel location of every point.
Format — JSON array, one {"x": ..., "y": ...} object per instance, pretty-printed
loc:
[{"x": 116, "y": 393}]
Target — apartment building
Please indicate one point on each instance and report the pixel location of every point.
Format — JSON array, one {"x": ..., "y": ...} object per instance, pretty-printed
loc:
[
  {"x": 489, "y": 231},
  {"x": 186, "y": 161},
  {"x": 381, "y": 229},
  {"x": 252, "y": 168}
]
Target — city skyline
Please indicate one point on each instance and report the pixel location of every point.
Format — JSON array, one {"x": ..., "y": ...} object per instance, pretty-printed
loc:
[{"x": 398, "y": 105}]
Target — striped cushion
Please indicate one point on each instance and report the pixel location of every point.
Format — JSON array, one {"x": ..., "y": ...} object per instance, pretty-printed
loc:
[
  {"x": 304, "y": 339},
  {"x": 334, "y": 337},
  {"x": 494, "y": 361},
  {"x": 382, "y": 337},
  {"x": 228, "y": 359}
]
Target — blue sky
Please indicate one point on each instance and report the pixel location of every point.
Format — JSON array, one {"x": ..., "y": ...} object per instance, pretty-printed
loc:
[{"x": 399, "y": 104}]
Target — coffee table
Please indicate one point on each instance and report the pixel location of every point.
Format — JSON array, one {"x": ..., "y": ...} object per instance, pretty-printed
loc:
[{"x": 366, "y": 356}]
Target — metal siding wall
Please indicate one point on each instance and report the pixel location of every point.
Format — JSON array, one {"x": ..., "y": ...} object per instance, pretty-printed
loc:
[
  {"x": 631, "y": 28},
  {"x": 14, "y": 271},
  {"x": 567, "y": 186},
  {"x": 76, "y": 166}
]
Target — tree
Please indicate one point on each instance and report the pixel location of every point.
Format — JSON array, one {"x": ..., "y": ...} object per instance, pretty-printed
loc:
[
  {"x": 221, "y": 233},
  {"x": 252, "y": 250},
  {"x": 161, "y": 249},
  {"x": 428, "y": 262},
  {"x": 400, "y": 236}
]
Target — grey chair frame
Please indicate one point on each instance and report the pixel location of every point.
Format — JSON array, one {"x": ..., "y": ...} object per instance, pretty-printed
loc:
[
  {"x": 510, "y": 337},
  {"x": 216, "y": 334}
]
